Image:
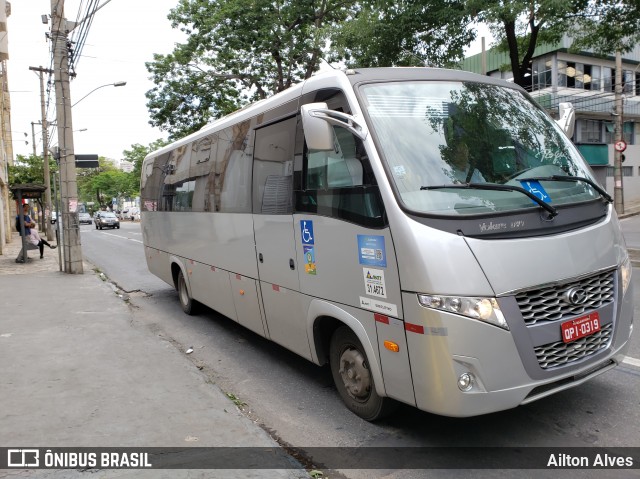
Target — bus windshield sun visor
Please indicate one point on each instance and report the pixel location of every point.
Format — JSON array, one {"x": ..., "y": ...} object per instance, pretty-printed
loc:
[
  {"x": 574, "y": 179},
  {"x": 492, "y": 186}
]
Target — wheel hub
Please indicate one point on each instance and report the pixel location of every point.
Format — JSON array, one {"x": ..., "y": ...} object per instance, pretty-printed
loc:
[{"x": 355, "y": 373}]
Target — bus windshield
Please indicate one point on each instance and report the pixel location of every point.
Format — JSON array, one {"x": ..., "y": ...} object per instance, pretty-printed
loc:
[{"x": 442, "y": 141}]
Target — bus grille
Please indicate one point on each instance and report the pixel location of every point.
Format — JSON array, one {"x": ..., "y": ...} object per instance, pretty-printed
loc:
[
  {"x": 548, "y": 304},
  {"x": 558, "y": 354}
]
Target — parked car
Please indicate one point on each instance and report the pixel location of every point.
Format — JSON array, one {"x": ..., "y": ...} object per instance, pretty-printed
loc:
[
  {"x": 84, "y": 218},
  {"x": 123, "y": 214},
  {"x": 54, "y": 217},
  {"x": 107, "y": 219}
]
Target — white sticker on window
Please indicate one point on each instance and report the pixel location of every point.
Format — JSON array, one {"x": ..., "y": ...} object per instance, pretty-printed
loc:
[{"x": 400, "y": 172}]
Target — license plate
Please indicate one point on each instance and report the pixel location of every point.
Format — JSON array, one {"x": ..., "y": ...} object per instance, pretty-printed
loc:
[{"x": 580, "y": 327}]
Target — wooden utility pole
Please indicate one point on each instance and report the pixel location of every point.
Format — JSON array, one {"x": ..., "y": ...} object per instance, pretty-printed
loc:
[
  {"x": 72, "y": 248},
  {"x": 618, "y": 192},
  {"x": 45, "y": 150}
]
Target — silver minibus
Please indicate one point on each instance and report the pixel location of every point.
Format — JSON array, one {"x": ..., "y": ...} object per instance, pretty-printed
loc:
[{"x": 433, "y": 235}]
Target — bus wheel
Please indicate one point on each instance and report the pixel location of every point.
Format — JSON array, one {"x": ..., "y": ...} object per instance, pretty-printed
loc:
[
  {"x": 352, "y": 377},
  {"x": 188, "y": 304}
]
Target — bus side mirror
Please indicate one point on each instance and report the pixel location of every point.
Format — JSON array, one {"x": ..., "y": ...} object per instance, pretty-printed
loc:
[
  {"x": 567, "y": 119},
  {"x": 317, "y": 131}
]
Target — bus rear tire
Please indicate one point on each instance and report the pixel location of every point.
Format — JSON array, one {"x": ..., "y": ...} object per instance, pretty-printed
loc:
[
  {"x": 353, "y": 378},
  {"x": 188, "y": 304}
]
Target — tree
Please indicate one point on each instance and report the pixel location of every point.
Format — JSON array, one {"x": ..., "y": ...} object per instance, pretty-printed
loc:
[
  {"x": 137, "y": 154},
  {"x": 607, "y": 26},
  {"x": 237, "y": 51},
  {"x": 29, "y": 169},
  {"x": 603, "y": 26},
  {"x": 387, "y": 33},
  {"x": 100, "y": 184},
  {"x": 520, "y": 25}
]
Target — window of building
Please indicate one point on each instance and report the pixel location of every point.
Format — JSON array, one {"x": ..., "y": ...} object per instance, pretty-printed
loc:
[
  {"x": 627, "y": 81},
  {"x": 626, "y": 171},
  {"x": 541, "y": 74},
  {"x": 596, "y": 81},
  {"x": 627, "y": 132},
  {"x": 609, "y": 79},
  {"x": 590, "y": 131}
]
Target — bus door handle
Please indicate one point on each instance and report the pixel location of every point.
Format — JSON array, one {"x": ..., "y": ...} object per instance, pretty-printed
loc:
[
  {"x": 292, "y": 265},
  {"x": 260, "y": 258}
]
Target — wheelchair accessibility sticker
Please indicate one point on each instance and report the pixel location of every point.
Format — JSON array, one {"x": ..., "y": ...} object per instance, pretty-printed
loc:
[
  {"x": 306, "y": 230},
  {"x": 536, "y": 189},
  {"x": 308, "y": 247}
]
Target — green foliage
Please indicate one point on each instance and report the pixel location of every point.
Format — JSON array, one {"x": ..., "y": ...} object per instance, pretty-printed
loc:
[
  {"x": 237, "y": 51},
  {"x": 136, "y": 155},
  {"x": 519, "y": 26},
  {"x": 603, "y": 26},
  {"x": 102, "y": 184},
  {"x": 29, "y": 169},
  {"x": 607, "y": 26},
  {"x": 387, "y": 33}
]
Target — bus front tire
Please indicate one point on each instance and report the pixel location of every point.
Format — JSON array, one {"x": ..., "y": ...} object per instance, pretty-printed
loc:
[
  {"x": 188, "y": 304},
  {"x": 353, "y": 378}
]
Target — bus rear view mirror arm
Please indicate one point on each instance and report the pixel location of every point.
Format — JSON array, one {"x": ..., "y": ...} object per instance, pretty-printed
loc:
[{"x": 317, "y": 120}]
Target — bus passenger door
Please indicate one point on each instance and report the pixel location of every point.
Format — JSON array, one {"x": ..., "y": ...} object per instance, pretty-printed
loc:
[{"x": 274, "y": 236}]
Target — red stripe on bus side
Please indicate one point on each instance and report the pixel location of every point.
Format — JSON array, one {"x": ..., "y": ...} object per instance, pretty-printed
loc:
[
  {"x": 381, "y": 318},
  {"x": 414, "y": 328}
]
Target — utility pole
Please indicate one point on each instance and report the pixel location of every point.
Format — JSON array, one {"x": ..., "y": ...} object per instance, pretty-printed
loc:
[
  {"x": 45, "y": 149},
  {"x": 60, "y": 27},
  {"x": 618, "y": 192}
]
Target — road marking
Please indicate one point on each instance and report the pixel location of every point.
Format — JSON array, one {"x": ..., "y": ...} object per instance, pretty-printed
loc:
[
  {"x": 632, "y": 361},
  {"x": 122, "y": 237}
]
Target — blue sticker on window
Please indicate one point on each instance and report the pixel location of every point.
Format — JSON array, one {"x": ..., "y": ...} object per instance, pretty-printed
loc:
[
  {"x": 306, "y": 231},
  {"x": 535, "y": 188},
  {"x": 371, "y": 251}
]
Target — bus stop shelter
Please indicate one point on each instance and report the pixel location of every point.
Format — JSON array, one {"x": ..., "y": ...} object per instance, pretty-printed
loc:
[{"x": 29, "y": 191}]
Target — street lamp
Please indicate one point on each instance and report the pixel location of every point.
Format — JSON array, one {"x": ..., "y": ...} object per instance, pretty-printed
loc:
[{"x": 118, "y": 83}]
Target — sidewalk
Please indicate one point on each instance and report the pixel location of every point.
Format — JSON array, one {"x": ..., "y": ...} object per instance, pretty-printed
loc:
[{"x": 76, "y": 373}]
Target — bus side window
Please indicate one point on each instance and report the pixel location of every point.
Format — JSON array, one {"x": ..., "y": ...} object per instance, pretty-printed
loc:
[
  {"x": 339, "y": 183},
  {"x": 273, "y": 167}
]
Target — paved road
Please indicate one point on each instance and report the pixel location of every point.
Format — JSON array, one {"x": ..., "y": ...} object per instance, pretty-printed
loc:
[{"x": 296, "y": 401}]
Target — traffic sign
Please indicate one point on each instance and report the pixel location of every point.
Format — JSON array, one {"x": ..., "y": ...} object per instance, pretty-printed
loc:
[{"x": 620, "y": 145}]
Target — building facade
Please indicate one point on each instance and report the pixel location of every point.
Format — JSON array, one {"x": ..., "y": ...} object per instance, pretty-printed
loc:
[
  {"x": 6, "y": 145},
  {"x": 588, "y": 82}
]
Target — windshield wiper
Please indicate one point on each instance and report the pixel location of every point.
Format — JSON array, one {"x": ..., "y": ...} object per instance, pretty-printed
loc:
[
  {"x": 492, "y": 186},
  {"x": 572, "y": 179}
]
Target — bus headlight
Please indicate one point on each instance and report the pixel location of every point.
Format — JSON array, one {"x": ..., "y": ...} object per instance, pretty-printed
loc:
[
  {"x": 482, "y": 309},
  {"x": 625, "y": 273}
]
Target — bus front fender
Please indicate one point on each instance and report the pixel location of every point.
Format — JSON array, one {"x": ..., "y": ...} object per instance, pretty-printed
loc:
[{"x": 323, "y": 309}]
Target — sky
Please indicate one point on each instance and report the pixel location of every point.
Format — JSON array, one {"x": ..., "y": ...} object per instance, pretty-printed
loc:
[{"x": 124, "y": 35}]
